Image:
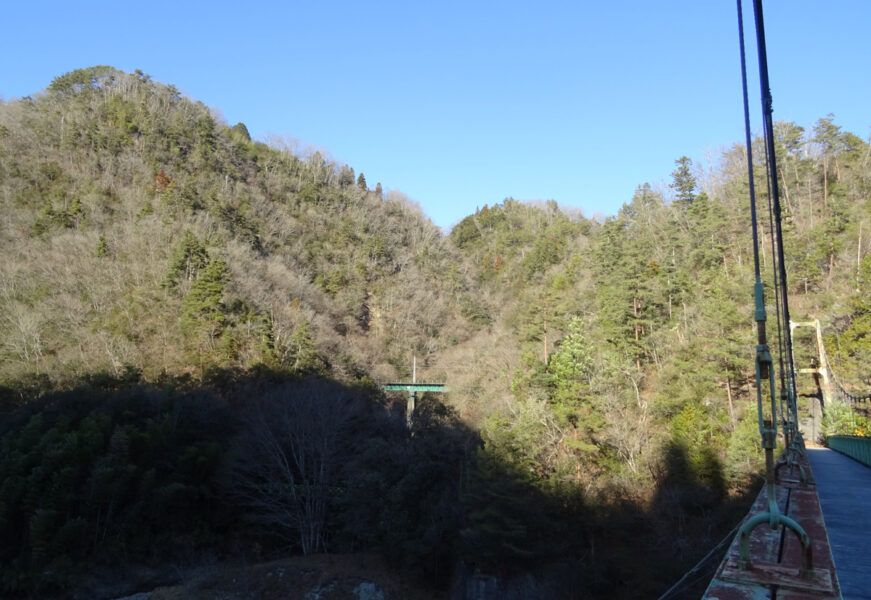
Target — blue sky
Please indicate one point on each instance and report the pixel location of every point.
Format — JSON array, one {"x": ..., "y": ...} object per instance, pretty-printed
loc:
[{"x": 461, "y": 104}]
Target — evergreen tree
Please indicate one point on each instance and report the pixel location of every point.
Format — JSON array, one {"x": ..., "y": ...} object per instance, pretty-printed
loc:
[
  {"x": 240, "y": 132},
  {"x": 827, "y": 136},
  {"x": 346, "y": 176},
  {"x": 571, "y": 368},
  {"x": 854, "y": 344},
  {"x": 203, "y": 315},
  {"x": 683, "y": 182},
  {"x": 789, "y": 138},
  {"x": 189, "y": 258},
  {"x": 302, "y": 356},
  {"x": 102, "y": 250}
]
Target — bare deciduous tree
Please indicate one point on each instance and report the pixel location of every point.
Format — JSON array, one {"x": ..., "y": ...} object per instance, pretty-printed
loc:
[{"x": 287, "y": 459}]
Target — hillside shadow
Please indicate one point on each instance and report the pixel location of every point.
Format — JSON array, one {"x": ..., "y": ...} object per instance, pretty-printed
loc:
[{"x": 126, "y": 481}]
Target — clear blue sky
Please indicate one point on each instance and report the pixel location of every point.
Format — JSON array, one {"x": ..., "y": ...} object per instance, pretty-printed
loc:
[{"x": 461, "y": 104}]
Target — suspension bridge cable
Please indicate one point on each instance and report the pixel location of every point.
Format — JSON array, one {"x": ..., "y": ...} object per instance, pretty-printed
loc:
[
  {"x": 763, "y": 358},
  {"x": 777, "y": 298},
  {"x": 848, "y": 395},
  {"x": 682, "y": 582},
  {"x": 863, "y": 397},
  {"x": 773, "y": 234},
  {"x": 764, "y": 363},
  {"x": 747, "y": 135},
  {"x": 768, "y": 127}
]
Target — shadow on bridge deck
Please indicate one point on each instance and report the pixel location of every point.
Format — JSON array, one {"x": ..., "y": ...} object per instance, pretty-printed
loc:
[{"x": 775, "y": 555}]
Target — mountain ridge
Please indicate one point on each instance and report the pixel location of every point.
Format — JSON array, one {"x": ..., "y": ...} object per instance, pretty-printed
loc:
[{"x": 600, "y": 370}]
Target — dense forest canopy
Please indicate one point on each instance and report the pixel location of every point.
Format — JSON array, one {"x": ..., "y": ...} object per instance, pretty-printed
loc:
[{"x": 174, "y": 294}]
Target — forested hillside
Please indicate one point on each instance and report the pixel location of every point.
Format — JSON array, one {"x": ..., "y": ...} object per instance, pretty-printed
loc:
[
  {"x": 195, "y": 324},
  {"x": 201, "y": 248}
]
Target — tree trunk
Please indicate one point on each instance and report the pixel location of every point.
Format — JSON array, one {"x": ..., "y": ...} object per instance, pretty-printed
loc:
[
  {"x": 858, "y": 256},
  {"x": 762, "y": 245},
  {"x": 578, "y": 470},
  {"x": 825, "y": 183},
  {"x": 731, "y": 405},
  {"x": 786, "y": 193},
  {"x": 635, "y": 313},
  {"x": 545, "y": 338}
]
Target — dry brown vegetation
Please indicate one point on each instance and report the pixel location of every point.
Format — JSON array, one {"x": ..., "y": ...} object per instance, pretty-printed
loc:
[{"x": 600, "y": 370}]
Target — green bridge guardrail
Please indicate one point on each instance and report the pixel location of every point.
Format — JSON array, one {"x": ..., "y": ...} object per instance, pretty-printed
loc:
[{"x": 856, "y": 447}]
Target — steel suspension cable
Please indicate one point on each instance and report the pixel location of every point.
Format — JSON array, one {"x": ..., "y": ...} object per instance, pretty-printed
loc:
[
  {"x": 764, "y": 363},
  {"x": 775, "y": 195},
  {"x": 773, "y": 235},
  {"x": 763, "y": 355},
  {"x": 748, "y": 141},
  {"x": 758, "y": 288},
  {"x": 777, "y": 292}
]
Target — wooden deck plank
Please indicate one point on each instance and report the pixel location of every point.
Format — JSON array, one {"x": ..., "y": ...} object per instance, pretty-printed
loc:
[{"x": 774, "y": 575}]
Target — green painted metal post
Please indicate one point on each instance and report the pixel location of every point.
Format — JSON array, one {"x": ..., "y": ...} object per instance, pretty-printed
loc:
[
  {"x": 409, "y": 407},
  {"x": 413, "y": 389}
]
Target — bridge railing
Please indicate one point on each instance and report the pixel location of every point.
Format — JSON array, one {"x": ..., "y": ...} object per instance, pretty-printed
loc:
[{"x": 854, "y": 446}]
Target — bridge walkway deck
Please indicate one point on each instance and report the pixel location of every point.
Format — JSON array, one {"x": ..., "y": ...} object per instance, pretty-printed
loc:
[{"x": 844, "y": 490}]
